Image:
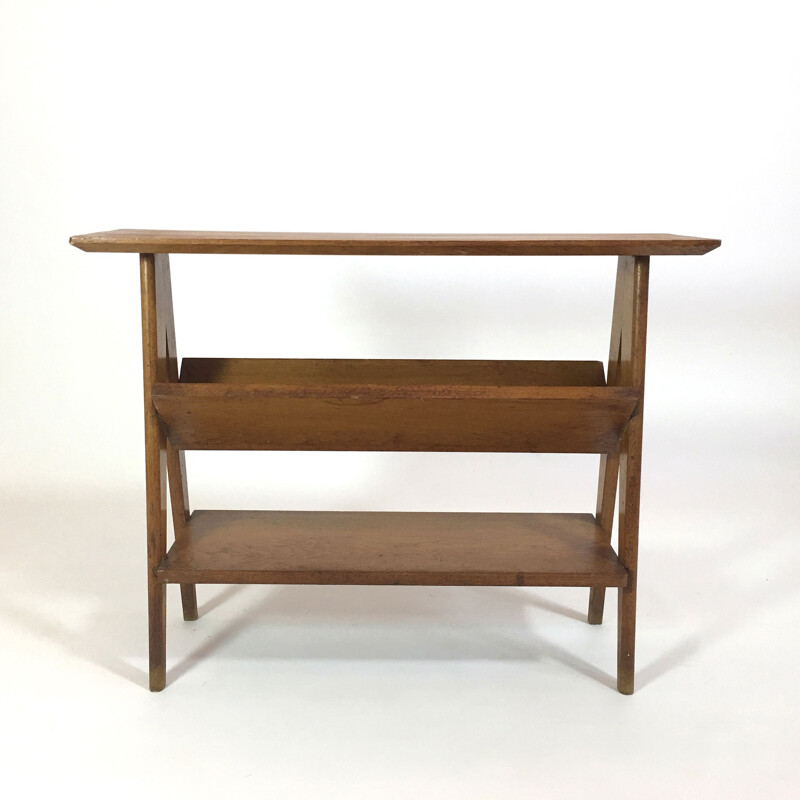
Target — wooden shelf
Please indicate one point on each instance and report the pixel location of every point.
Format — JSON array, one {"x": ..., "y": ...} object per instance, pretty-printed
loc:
[
  {"x": 408, "y": 548},
  {"x": 397, "y": 405},
  {"x": 399, "y": 374}
]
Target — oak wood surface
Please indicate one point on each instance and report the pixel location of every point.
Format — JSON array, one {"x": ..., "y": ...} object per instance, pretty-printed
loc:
[
  {"x": 416, "y": 548},
  {"x": 443, "y": 244},
  {"x": 632, "y": 373},
  {"x": 176, "y": 459},
  {"x": 358, "y": 404},
  {"x": 549, "y": 419},
  {"x": 609, "y": 462},
  {"x": 154, "y": 360},
  {"x": 348, "y": 372}
]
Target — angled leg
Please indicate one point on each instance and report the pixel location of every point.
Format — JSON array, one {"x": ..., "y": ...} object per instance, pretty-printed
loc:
[
  {"x": 631, "y": 374},
  {"x": 179, "y": 497},
  {"x": 609, "y": 462},
  {"x": 154, "y": 364},
  {"x": 606, "y": 498},
  {"x": 176, "y": 459}
]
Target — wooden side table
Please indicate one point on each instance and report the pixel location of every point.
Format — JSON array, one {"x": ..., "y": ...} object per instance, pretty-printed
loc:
[{"x": 404, "y": 405}]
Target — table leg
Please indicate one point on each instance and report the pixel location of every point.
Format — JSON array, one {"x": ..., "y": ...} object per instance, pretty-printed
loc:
[
  {"x": 609, "y": 462},
  {"x": 179, "y": 498},
  {"x": 156, "y": 547},
  {"x": 606, "y": 498},
  {"x": 154, "y": 369},
  {"x": 176, "y": 459},
  {"x": 630, "y": 474},
  {"x": 631, "y": 373}
]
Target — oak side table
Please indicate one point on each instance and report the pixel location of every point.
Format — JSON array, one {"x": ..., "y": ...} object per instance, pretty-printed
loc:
[{"x": 403, "y": 405}]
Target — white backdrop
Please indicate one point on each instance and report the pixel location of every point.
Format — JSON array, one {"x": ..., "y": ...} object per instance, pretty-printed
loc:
[{"x": 419, "y": 117}]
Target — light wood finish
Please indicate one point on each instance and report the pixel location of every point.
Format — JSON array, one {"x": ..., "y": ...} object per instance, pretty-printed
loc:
[
  {"x": 440, "y": 549},
  {"x": 388, "y": 244},
  {"x": 547, "y": 419},
  {"x": 359, "y": 404}
]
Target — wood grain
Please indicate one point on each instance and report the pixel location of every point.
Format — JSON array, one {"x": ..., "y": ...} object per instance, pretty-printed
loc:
[
  {"x": 441, "y": 549},
  {"x": 176, "y": 459},
  {"x": 154, "y": 359},
  {"x": 609, "y": 462},
  {"x": 545, "y": 419},
  {"x": 357, "y": 404},
  {"x": 403, "y": 375},
  {"x": 632, "y": 372},
  {"x": 411, "y": 244}
]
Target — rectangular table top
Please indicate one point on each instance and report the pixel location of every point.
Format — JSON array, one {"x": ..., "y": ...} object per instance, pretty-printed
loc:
[{"x": 395, "y": 244}]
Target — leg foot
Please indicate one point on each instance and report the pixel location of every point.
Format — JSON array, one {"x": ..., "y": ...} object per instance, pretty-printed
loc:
[
  {"x": 597, "y": 599},
  {"x": 189, "y": 600},
  {"x": 157, "y": 596},
  {"x": 626, "y": 640}
]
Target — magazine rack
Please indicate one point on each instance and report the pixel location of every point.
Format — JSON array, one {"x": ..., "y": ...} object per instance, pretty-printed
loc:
[{"x": 403, "y": 405}]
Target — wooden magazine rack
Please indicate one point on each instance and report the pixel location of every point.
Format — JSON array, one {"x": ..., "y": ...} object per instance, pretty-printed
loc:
[{"x": 399, "y": 405}]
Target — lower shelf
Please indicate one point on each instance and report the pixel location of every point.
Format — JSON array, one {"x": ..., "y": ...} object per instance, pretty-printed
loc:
[{"x": 417, "y": 548}]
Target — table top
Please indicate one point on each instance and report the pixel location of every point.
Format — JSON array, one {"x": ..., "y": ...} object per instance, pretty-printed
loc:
[{"x": 395, "y": 244}]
